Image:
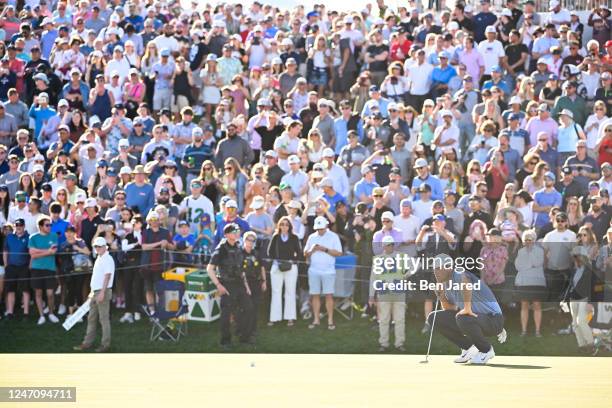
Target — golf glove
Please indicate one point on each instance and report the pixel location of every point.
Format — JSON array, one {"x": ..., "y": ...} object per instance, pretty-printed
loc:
[{"x": 501, "y": 337}]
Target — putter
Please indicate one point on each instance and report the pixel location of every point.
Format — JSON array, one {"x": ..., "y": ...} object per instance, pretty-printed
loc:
[{"x": 433, "y": 324}]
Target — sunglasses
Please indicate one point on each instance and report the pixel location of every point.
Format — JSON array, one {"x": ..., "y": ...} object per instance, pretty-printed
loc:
[{"x": 46, "y": 225}]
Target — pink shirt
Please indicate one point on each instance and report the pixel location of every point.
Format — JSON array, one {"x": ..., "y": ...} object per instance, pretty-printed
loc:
[
  {"x": 536, "y": 125},
  {"x": 473, "y": 61}
]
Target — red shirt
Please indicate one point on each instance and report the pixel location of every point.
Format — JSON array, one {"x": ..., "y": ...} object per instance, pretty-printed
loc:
[
  {"x": 405, "y": 47},
  {"x": 496, "y": 188},
  {"x": 605, "y": 151},
  {"x": 18, "y": 66}
]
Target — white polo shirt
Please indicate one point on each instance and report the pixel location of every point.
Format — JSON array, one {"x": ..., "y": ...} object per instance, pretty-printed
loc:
[
  {"x": 322, "y": 263},
  {"x": 104, "y": 265}
]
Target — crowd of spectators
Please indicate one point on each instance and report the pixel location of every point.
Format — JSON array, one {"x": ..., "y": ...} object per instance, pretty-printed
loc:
[{"x": 473, "y": 131}]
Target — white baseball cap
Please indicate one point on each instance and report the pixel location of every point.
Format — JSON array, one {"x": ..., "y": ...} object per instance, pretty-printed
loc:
[
  {"x": 38, "y": 167},
  {"x": 328, "y": 152},
  {"x": 231, "y": 204},
  {"x": 490, "y": 29},
  {"x": 99, "y": 242},
  {"x": 320, "y": 222},
  {"x": 124, "y": 142},
  {"x": 420, "y": 163},
  {"x": 388, "y": 240},
  {"x": 257, "y": 203},
  {"x": 326, "y": 182},
  {"x": 91, "y": 202},
  {"x": 293, "y": 159},
  {"x": 387, "y": 215}
]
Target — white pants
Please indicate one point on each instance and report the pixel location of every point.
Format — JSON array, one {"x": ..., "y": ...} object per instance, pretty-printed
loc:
[
  {"x": 397, "y": 312},
  {"x": 277, "y": 280},
  {"x": 584, "y": 334}
]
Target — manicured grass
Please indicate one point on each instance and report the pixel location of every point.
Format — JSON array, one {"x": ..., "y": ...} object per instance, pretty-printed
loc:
[{"x": 356, "y": 336}]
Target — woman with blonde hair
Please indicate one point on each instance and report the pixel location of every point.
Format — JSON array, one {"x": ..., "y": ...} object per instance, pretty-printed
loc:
[
  {"x": 526, "y": 91},
  {"x": 234, "y": 182},
  {"x": 574, "y": 214},
  {"x": 592, "y": 125},
  {"x": 474, "y": 176},
  {"x": 212, "y": 81},
  {"x": 448, "y": 176},
  {"x": 150, "y": 58},
  {"x": 535, "y": 181},
  {"x": 210, "y": 181},
  {"x": 320, "y": 64},
  {"x": 315, "y": 146},
  {"x": 586, "y": 238},
  {"x": 530, "y": 281},
  {"x": 257, "y": 186}
]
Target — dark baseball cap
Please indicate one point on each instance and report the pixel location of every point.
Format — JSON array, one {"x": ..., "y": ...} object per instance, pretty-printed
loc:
[
  {"x": 229, "y": 228},
  {"x": 19, "y": 222}
]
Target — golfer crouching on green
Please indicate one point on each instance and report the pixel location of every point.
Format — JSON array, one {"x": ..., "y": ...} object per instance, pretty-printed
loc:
[{"x": 468, "y": 315}]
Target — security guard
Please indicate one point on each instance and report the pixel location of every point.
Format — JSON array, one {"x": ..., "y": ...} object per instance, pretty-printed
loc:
[
  {"x": 226, "y": 272},
  {"x": 255, "y": 273}
]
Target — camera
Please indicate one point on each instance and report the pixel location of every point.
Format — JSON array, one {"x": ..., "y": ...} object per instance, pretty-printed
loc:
[
  {"x": 394, "y": 81},
  {"x": 256, "y": 41}
]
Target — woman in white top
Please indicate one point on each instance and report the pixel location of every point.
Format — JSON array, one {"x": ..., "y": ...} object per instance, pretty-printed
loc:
[
  {"x": 591, "y": 127},
  {"x": 315, "y": 146},
  {"x": 130, "y": 54},
  {"x": 314, "y": 191},
  {"x": 524, "y": 204},
  {"x": 395, "y": 85},
  {"x": 530, "y": 281}
]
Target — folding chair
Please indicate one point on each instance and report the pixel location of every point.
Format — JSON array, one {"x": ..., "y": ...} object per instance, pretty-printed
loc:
[
  {"x": 602, "y": 326},
  {"x": 345, "y": 285},
  {"x": 170, "y": 318}
]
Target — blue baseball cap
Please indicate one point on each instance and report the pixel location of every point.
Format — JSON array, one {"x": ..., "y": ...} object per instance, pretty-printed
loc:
[
  {"x": 497, "y": 69},
  {"x": 439, "y": 217}
]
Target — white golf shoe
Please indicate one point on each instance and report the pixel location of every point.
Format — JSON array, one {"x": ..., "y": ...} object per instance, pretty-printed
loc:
[
  {"x": 466, "y": 355},
  {"x": 41, "y": 320},
  {"x": 483, "y": 358},
  {"x": 53, "y": 318}
]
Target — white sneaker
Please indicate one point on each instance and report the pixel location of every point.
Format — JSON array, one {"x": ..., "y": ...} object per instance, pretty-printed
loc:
[
  {"x": 482, "y": 358},
  {"x": 53, "y": 318},
  {"x": 126, "y": 318},
  {"x": 61, "y": 310},
  {"x": 137, "y": 316},
  {"x": 466, "y": 355},
  {"x": 46, "y": 310},
  {"x": 41, "y": 320}
]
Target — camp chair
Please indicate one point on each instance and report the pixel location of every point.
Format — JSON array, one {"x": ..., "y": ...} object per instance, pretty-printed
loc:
[
  {"x": 602, "y": 326},
  {"x": 170, "y": 319},
  {"x": 345, "y": 285}
]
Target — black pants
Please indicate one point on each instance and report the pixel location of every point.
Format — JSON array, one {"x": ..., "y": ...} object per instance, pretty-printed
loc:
[
  {"x": 465, "y": 331},
  {"x": 74, "y": 289},
  {"x": 256, "y": 298},
  {"x": 239, "y": 303},
  {"x": 416, "y": 101},
  {"x": 556, "y": 280},
  {"x": 133, "y": 288}
]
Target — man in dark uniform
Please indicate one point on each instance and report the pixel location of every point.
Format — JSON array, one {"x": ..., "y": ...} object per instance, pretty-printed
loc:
[
  {"x": 226, "y": 272},
  {"x": 255, "y": 274}
]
